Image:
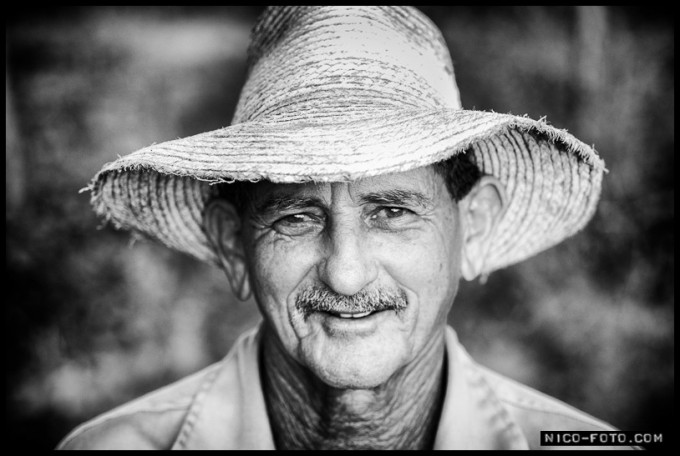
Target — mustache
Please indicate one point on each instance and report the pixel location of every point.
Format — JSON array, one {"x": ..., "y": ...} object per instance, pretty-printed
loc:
[{"x": 322, "y": 299}]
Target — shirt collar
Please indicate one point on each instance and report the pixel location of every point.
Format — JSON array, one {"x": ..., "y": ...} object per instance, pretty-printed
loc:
[
  {"x": 229, "y": 411},
  {"x": 472, "y": 416}
]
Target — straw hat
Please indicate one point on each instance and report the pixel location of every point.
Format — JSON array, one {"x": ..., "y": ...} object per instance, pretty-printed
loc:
[{"x": 338, "y": 93}]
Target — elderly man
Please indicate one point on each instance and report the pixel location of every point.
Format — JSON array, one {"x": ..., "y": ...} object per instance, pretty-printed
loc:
[{"x": 349, "y": 196}]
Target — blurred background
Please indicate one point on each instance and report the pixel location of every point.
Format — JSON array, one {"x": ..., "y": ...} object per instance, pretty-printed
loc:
[{"x": 92, "y": 321}]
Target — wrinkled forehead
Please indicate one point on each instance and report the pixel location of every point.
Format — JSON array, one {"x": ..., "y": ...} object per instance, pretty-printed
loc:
[{"x": 418, "y": 186}]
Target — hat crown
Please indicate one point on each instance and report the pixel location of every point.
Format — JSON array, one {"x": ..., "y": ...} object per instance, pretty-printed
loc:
[{"x": 315, "y": 62}]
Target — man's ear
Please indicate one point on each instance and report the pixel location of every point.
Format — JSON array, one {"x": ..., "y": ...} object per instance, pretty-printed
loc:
[
  {"x": 223, "y": 226},
  {"x": 480, "y": 210}
]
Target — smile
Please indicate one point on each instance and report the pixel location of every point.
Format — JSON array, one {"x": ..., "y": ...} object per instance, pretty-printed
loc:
[
  {"x": 347, "y": 323},
  {"x": 352, "y": 315}
]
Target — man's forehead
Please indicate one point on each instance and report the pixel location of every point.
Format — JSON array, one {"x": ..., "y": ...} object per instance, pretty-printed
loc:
[{"x": 423, "y": 182}]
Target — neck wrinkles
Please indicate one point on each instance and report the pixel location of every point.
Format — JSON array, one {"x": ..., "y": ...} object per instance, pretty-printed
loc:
[{"x": 305, "y": 413}]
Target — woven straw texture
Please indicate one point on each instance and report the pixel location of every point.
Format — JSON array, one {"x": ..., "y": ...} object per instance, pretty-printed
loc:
[{"x": 341, "y": 93}]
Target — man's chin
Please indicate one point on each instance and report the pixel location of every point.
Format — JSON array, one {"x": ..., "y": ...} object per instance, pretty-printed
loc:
[
  {"x": 354, "y": 377},
  {"x": 355, "y": 353},
  {"x": 358, "y": 365}
]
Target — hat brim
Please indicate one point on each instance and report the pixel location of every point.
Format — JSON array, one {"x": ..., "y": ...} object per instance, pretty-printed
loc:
[{"x": 552, "y": 180}]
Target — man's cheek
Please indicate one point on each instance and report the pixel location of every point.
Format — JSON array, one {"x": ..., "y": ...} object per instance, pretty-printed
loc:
[{"x": 278, "y": 270}]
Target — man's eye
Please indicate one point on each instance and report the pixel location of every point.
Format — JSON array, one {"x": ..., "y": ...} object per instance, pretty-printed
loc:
[
  {"x": 393, "y": 212},
  {"x": 391, "y": 217},
  {"x": 298, "y": 224}
]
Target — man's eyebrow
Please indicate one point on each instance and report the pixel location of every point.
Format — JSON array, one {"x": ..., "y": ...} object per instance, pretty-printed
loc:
[
  {"x": 397, "y": 198},
  {"x": 279, "y": 203}
]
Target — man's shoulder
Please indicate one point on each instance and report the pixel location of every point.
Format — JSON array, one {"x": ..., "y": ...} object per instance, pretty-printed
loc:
[
  {"x": 535, "y": 411},
  {"x": 152, "y": 421}
]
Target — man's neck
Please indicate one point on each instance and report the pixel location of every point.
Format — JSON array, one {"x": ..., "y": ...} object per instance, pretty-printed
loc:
[{"x": 305, "y": 413}]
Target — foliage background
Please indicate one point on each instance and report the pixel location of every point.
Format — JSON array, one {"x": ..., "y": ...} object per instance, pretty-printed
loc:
[{"x": 92, "y": 322}]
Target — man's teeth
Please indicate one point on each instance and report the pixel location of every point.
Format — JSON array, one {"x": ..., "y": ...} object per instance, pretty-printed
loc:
[{"x": 356, "y": 315}]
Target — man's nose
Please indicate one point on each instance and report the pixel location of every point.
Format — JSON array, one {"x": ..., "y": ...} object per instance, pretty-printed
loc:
[{"x": 348, "y": 265}]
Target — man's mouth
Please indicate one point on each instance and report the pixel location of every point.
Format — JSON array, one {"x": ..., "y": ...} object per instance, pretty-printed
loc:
[
  {"x": 356, "y": 315},
  {"x": 353, "y": 323},
  {"x": 352, "y": 315}
]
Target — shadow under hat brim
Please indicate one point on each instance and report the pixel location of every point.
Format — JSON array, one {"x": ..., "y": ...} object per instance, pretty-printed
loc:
[{"x": 552, "y": 179}]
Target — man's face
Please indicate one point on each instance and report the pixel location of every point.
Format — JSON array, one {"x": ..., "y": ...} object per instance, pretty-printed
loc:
[{"x": 394, "y": 235}]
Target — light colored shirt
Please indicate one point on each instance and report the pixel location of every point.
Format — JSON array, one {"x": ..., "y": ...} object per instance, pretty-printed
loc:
[{"x": 223, "y": 407}]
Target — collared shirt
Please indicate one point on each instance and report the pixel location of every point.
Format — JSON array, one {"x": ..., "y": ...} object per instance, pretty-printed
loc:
[{"x": 223, "y": 407}]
